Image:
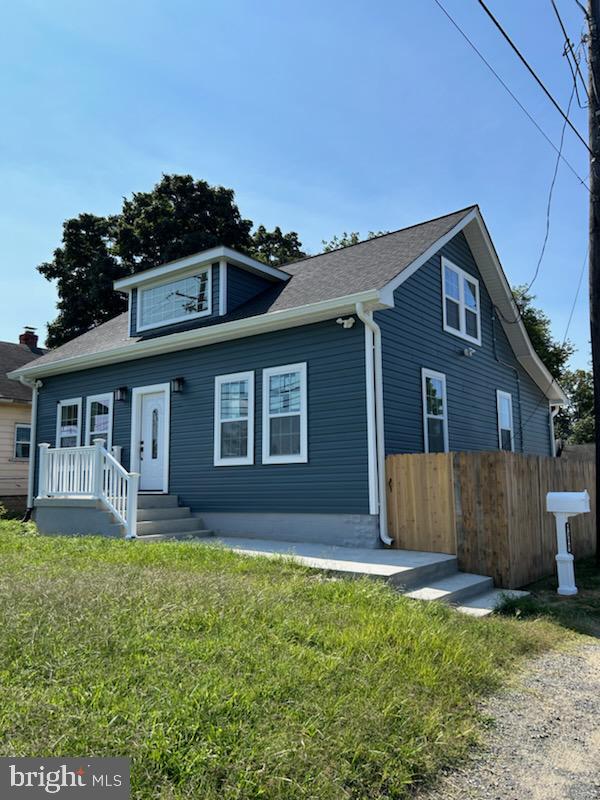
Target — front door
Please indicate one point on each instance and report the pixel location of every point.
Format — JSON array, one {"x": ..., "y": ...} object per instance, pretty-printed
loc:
[{"x": 152, "y": 443}]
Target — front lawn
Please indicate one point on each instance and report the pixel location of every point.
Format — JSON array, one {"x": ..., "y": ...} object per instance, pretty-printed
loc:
[{"x": 224, "y": 676}]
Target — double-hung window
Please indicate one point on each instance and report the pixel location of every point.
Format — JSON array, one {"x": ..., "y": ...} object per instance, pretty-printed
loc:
[
  {"x": 175, "y": 300},
  {"x": 234, "y": 419},
  {"x": 435, "y": 411},
  {"x": 284, "y": 438},
  {"x": 68, "y": 423},
  {"x": 461, "y": 310},
  {"x": 506, "y": 436},
  {"x": 98, "y": 421},
  {"x": 22, "y": 440}
]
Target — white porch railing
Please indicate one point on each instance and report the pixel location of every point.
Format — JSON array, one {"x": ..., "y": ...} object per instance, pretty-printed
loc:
[{"x": 91, "y": 472}]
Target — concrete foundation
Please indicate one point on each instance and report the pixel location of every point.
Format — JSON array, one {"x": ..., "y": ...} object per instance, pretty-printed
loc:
[
  {"x": 74, "y": 517},
  {"x": 346, "y": 530}
]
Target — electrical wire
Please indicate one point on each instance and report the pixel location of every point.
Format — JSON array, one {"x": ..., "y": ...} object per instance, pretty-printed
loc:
[
  {"x": 534, "y": 75},
  {"x": 575, "y": 71},
  {"x": 511, "y": 93}
]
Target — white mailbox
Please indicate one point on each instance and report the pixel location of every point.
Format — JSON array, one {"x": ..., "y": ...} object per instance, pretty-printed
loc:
[{"x": 564, "y": 505}]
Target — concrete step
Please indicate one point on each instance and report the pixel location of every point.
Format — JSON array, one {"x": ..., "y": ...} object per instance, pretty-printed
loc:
[
  {"x": 169, "y": 512},
  {"x": 484, "y": 604},
  {"x": 413, "y": 577},
  {"x": 453, "y": 588},
  {"x": 169, "y": 526},
  {"x": 175, "y": 536},
  {"x": 157, "y": 500}
]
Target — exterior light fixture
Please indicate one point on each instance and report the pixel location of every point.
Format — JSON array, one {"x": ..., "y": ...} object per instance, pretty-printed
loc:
[
  {"x": 177, "y": 384},
  {"x": 121, "y": 393}
]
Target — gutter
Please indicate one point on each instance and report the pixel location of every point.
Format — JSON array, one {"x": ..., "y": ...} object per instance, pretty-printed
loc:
[
  {"x": 34, "y": 386},
  {"x": 374, "y": 375}
]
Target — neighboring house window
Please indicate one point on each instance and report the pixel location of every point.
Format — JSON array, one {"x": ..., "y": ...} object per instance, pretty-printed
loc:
[
  {"x": 506, "y": 436},
  {"x": 22, "y": 440},
  {"x": 435, "y": 411},
  {"x": 98, "y": 420},
  {"x": 461, "y": 311},
  {"x": 68, "y": 423},
  {"x": 234, "y": 419},
  {"x": 185, "y": 298},
  {"x": 284, "y": 439}
]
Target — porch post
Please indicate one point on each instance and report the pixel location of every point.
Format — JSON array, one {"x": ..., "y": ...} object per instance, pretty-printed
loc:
[
  {"x": 98, "y": 467},
  {"x": 132, "y": 502},
  {"x": 43, "y": 470}
]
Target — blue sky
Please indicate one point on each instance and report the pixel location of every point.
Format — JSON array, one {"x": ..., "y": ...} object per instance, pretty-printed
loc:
[{"x": 323, "y": 117}]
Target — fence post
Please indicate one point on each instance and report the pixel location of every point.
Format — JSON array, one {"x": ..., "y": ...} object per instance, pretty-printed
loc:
[
  {"x": 98, "y": 468},
  {"x": 43, "y": 468},
  {"x": 132, "y": 502}
]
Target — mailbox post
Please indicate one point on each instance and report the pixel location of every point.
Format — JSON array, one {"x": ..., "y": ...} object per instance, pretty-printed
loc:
[{"x": 564, "y": 505}]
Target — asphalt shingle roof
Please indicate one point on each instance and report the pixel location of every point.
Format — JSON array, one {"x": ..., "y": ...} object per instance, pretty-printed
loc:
[
  {"x": 13, "y": 356},
  {"x": 361, "y": 267}
]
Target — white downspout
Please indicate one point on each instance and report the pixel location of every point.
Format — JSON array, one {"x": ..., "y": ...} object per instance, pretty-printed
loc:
[
  {"x": 553, "y": 412},
  {"x": 376, "y": 409},
  {"x": 34, "y": 386}
]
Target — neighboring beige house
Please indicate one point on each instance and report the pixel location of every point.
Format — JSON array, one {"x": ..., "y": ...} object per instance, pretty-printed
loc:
[{"x": 15, "y": 422}]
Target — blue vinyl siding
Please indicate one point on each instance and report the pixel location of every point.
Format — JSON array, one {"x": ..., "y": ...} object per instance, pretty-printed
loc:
[
  {"x": 335, "y": 479},
  {"x": 243, "y": 285},
  {"x": 179, "y": 326},
  {"x": 413, "y": 337}
]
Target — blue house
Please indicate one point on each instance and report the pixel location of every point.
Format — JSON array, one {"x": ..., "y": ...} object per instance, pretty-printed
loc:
[{"x": 248, "y": 400}]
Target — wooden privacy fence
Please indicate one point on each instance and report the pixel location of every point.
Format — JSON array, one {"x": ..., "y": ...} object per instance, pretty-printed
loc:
[{"x": 487, "y": 508}]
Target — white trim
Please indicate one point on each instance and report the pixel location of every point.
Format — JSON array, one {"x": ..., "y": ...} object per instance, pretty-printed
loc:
[
  {"x": 140, "y": 326},
  {"x": 219, "y": 461},
  {"x": 371, "y": 423},
  {"x": 136, "y": 420},
  {"x": 201, "y": 337},
  {"x": 17, "y": 426},
  {"x": 506, "y": 396},
  {"x": 462, "y": 306},
  {"x": 222, "y": 287},
  {"x": 106, "y": 398},
  {"x": 302, "y": 456},
  {"x": 203, "y": 258},
  {"x": 429, "y": 373},
  {"x": 72, "y": 401}
]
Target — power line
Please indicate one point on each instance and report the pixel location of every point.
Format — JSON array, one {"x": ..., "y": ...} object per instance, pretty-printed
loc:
[
  {"x": 511, "y": 93},
  {"x": 534, "y": 74},
  {"x": 575, "y": 71}
]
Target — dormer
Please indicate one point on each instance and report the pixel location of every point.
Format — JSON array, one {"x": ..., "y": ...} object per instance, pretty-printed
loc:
[{"x": 194, "y": 290}]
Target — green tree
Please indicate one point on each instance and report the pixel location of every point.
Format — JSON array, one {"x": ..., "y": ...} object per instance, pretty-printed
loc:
[
  {"x": 575, "y": 423},
  {"x": 346, "y": 239},
  {"x": 553, "y": 353},
  {"x": 180, "y": 216}
]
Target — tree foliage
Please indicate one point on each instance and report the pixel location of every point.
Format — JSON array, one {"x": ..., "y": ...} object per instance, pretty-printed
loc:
[
  {"x": 346, "y": 239},
  {"x": 178, "y": 217}
]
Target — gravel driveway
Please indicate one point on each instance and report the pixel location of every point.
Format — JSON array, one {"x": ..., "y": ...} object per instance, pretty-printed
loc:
[{"x": 544, "y": 741}]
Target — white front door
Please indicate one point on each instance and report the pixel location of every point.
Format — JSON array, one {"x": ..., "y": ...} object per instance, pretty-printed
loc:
[{"x": 152, "y": 442}]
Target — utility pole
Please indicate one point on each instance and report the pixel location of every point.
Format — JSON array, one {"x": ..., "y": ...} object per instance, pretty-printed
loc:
[{"x": 594, "y": 233}]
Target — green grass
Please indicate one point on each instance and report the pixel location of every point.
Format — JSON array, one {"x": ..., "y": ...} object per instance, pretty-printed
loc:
[
  {"x": 580, "y": 612},
  {"x": 226, "y": 677}
]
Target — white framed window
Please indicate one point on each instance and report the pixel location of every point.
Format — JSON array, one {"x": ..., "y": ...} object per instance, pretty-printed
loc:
[
  {"x": 234, "y": 419},
  {"x": 285, "y": 415},
  {"x": 99, "y": 418},
  {"x": 68, "y": 423},
  {"x": 175, "y": 300},
  {"x": 460, "y": 303},
  {"x": 22, "y": 440},
  {"x": 506, "y": 434},
  {"x": 435, "y": 411}
]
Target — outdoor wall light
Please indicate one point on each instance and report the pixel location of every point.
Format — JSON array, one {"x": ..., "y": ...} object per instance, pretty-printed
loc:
[
  {"x": 177, "y": 384},
  {"x": 121, "y": 393}
]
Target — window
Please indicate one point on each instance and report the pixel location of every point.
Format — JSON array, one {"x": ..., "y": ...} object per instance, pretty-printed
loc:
[
  {"x": 174, "y": 301},
  {"x": 284, "y": 438},
  {"x": 68, "y": 423},
  {"x": 461, "y": 311},
  {"x": 234, "y": 419},
  {"x": 435, "y": 412},
  {"x": 98, "y": 421},
  {"x": 506, "y": 437},
  {"x": 22, "y": 440}
]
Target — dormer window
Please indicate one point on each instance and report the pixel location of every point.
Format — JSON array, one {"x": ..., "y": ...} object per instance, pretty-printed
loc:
[{"x": 175, "y": 301}]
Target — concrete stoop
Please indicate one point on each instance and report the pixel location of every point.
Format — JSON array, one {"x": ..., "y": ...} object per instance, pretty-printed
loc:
[{"x": 160, "y": 518}]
